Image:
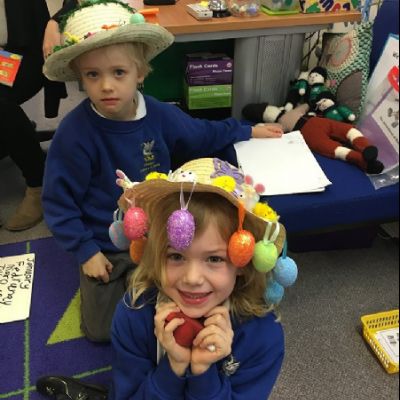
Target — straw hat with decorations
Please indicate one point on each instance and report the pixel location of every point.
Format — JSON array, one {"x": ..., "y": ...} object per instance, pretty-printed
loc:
[
  {"x": 209, "y": 175},
  {"x": 99, "y": 23}
]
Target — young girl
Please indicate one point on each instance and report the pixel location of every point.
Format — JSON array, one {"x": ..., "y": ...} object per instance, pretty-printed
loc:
[
  {"x": 196, "y": 281},
  {"x": 108, "y": 48}
]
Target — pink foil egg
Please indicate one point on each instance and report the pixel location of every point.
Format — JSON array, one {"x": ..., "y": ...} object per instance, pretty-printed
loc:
[
  {"x": 135, "y": 223},
  {"x": 180, "y": 228}
]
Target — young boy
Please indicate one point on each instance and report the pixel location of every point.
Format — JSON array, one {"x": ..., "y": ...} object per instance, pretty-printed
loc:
[{"x": 108, "y": 48}]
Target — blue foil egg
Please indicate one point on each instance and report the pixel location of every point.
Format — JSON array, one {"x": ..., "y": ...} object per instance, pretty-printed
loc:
[
  {"x": 117, "y": 236},
  {"x": 274, "y": 292},
  {"x": 285, "y": 271}
]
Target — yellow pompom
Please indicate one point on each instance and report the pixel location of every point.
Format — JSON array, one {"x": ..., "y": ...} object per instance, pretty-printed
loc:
[
  {"x": 265, "y": 212},
  {"x": 156, "y": 175},
  {"x": 225, "y": 182},
  {"x": 71, "y": 38}
]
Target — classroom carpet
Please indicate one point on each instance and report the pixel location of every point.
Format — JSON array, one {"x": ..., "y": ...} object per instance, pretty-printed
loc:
[{"x": 50, "y": 341}]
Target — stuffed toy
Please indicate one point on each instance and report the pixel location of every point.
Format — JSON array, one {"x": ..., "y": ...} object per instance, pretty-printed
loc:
[
  {"x": 326, "y": 107},
  {"x": 316, "y": 86},
  {"x": 310, "y": 88},
  {"x": 328, "y": 137},
  {"x": 297, "y": 95},
  {"x": 297, "y": 91},
  {"x": 306, "y": 88}
]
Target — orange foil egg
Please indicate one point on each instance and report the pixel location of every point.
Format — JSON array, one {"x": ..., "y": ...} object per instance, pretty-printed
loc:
[
  {"x": 136, "y": 249},
  {"x": 241, "y": 248}
]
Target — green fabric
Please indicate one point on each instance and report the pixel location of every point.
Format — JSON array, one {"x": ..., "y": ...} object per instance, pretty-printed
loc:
[{"x": 346, "y": 59}]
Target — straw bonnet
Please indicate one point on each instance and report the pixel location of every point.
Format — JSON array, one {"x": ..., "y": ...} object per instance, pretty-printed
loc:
[
  {"x": 209, "y": 175},
  {"x": 99, "y": 23}
]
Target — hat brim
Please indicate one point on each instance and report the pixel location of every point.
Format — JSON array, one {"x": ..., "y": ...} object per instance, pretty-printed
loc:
[
  {"x": 57, "y": 66},
  {"x": 149, "y": 195}
]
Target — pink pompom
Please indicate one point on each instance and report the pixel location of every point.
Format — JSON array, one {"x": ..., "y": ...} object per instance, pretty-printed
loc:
[
  {"x": 259, "y": 188},
  {"x": 135, "y": 223},
  {"x": 180, "y": 228}
]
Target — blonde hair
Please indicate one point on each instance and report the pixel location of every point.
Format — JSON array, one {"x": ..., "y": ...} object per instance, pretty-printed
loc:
[
  {"x": 247, "y": 299},
  {"x": 136, "y": 52}
]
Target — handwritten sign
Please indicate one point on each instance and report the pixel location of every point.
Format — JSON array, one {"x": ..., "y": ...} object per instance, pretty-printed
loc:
[{"x": 16, "y": 279}]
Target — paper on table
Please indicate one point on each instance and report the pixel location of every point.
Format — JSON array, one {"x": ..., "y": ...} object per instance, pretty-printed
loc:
[
  {"x": 16, "y": 278},
  {"x": 284, "y": 166}
]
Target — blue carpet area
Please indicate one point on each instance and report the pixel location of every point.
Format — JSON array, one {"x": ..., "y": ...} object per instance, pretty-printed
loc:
[{"x": 25, "y": 351}]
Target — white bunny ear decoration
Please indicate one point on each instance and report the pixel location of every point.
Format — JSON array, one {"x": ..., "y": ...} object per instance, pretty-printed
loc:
[{"x": 123, "y": 181}]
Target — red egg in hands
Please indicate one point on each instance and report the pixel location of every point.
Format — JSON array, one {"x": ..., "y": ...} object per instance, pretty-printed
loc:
[{"x": 185, "y": 333}]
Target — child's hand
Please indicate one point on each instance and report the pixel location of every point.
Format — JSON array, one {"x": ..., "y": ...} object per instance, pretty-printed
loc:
[
  {"x": 179, "y": 357},
  {"x": 217, "y": 334},
  {"x": 98, "y": 267},
  {"x": 262, "y": 131}
]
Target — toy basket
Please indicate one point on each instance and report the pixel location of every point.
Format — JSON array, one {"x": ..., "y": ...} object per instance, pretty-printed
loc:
[{"x": 374, "y": 323}]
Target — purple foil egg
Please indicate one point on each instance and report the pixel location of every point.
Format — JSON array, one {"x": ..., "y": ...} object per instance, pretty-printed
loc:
[{"x": 180, "y": 228}]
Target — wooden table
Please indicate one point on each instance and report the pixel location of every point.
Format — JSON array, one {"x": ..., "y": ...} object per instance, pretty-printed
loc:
[{"x": 268, "y": 49}]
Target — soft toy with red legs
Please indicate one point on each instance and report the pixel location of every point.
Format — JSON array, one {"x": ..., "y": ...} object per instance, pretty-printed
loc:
[{"x": 331, "y": 138}]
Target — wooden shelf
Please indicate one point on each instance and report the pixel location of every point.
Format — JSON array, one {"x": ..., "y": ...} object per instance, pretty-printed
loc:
[{"x": 179, "y": 22}]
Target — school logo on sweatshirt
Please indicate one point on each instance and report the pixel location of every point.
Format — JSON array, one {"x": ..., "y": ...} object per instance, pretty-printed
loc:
[
  {"x": 147, "y": 148},
  {"x": 230, "y": 365},
  {"x": 149, "y": 158}
]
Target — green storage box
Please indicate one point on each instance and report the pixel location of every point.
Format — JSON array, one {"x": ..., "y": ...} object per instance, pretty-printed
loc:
[{"x": 208, "y": 96}]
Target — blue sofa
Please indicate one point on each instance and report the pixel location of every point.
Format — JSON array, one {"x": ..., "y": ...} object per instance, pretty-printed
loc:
[{"x": 346, "y": 215}]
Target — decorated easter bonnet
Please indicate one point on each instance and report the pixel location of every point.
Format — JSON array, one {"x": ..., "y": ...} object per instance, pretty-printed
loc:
[
  {"x": 99, "y": 23},
  {"x": 208, "y": 175}
]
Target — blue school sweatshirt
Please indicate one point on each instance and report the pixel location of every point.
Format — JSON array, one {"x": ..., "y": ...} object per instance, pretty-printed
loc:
[
  {"x": 80, "y": 194},
  {"x": 258, "y": 347}
]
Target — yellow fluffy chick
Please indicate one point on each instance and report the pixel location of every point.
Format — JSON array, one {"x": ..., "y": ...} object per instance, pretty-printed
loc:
[{"x": 264, "y": 211}]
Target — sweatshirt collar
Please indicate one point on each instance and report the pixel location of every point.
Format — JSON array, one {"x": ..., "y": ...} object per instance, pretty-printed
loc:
[{"x": 140, "y": 110}]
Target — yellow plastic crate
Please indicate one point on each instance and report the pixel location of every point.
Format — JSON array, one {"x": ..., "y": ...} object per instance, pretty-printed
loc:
[{"x": 377, "y": 322}]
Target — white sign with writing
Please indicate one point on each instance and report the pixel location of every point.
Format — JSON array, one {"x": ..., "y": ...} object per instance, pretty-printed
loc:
[{"x": 16, "y": 279}]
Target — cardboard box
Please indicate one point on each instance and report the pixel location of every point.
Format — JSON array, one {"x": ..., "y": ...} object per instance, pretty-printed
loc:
[
  {"x": 316, "y": 6},
  {"x": 208, "y": 96},
  {"x": 208, "y": 69}
]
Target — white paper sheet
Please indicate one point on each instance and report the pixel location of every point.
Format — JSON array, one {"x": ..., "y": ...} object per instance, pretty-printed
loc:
[
  {"x": 389, "y": 340},
  {"x": 16, "y": 279},
  {"x": 284, "y": 166}
]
